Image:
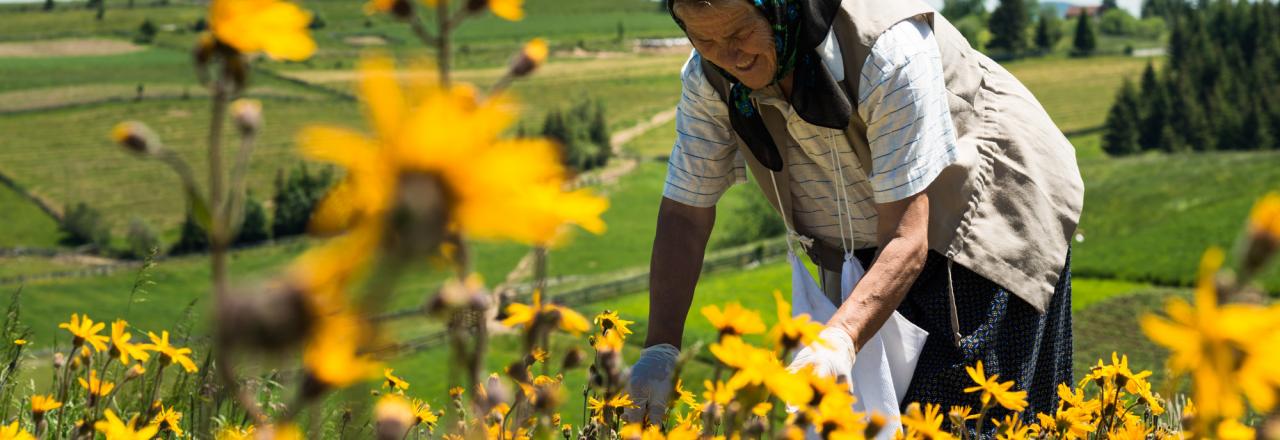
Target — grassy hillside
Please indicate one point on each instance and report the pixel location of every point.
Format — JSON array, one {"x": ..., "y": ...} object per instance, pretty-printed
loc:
[
  {"x": 1150, "y": 217},
  {"x": 23, "y": 223}
]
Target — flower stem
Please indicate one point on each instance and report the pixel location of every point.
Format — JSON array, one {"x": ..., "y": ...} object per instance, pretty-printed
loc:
[{"x": 442, "y": 43}]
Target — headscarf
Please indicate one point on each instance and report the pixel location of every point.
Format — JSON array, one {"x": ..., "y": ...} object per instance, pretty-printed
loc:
[{"x": 799, "y": 26}]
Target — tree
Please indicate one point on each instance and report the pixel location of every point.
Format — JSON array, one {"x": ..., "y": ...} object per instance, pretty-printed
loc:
[
  {"x": 1117, "y": 22},
  {"x": 1108, "y": 5},
  {"x": 254, "y": 228},
  {"x": 954, "y": 10},
  {"x": 83, "y": 224},
  {"x": 1121, "y": 136},
  {"x": 191, "y": 237},
  {"x": 296, "y": 196},
  {"x": 1085, "y": 41},
  {"x": 1008, "y": 25},
  {"x": 142, "y": 238},
  {"x": 1048, "y": 30},
  {"x": 1152, "y": 109}
]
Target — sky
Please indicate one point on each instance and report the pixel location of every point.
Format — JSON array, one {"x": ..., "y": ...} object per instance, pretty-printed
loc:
[{"x": 1133, "y": 6}]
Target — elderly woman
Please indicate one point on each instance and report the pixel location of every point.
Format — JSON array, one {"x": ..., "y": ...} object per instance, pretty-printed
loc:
[{"x": 873, "y": 126}]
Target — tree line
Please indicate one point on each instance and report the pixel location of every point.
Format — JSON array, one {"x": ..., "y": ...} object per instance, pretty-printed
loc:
[
  {"x": 296, "y": 194},
  {"x": 1220, "y": 87},
  {"x": 1017, "y": 28}
]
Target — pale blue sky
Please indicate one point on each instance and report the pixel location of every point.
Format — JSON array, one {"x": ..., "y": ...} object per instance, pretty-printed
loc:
[{"x": 1133, "y": 6}]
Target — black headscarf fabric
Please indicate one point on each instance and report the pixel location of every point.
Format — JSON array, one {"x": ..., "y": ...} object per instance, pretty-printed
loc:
[{"x": 799, "y": 26}]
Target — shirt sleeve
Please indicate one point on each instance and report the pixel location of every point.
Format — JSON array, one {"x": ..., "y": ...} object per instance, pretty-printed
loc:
[
  {"x": 705, "y": 160},
  {"x": 903, "y": 98}
]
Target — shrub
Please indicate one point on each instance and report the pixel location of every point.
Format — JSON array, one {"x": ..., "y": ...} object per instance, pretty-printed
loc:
[
  {"x": 296, "y": 196},
  {"x": 255, "y": 227},
  {"x": 141, "y": 238},
  {"x": 83, "y": 224},
  {"x": 191, "y": 238},
  {"x": 582, "y": 132},
  {"x": 146, "y": 32}
]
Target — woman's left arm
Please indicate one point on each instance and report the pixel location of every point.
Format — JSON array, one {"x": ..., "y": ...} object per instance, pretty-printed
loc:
[{"x": 903, "y": 227}]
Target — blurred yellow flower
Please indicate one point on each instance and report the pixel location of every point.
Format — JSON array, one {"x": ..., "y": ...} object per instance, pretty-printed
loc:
[
  {"x": 172, "y": 355},
  {"x": 1012, "y": 400},
  {"x": 393, "y": 382},
  {"x": 115, "y": 429},
  {"x": 600, "y": 406},
  {"x": 85, "y": 330},
  {"x": 1232, "y": 429},
  {"x": 124, "y": 350},
  {"x": 1229, "y": 350},
  {"x": 277, "y": 28},
  {"x": 1265, "y": 216},
  {"x": 394, "y": 409},
  {"x": 791, "y": 332},
  {"x": 1011, "y": 428},
  {"x": 19, "y": 342},
  {"x": 456, "y": 392},
  {"x": 43, "y": 404},
  {"x": 450, "y": 135},
  {"x": 236, "y": 433},
  {"x": 734, "y": 319},
  {"x": 610, "y": 342},
  {"x": 718, "y": 393},
  {"x": 926, "y": 424},
  {"x": 510, "y": 10},
  {"x": 757, "y": 366},
  {"x": 333, "y": 356},
  {"x": 170, "y": 419},
  {"x": 14, "y": 432},
  {"x": 685, "y": 396},
  {"x": 525, "y": 315},
  {"x": 95, "y": 386},
  {"x": 609, "y": 320}
]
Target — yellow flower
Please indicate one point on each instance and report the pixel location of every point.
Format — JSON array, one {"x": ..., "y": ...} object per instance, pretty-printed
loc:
[
  {"x": 274, "y": 27},
  {"x": 121, "y": 348},
  {"x": 1229, "y": 350},
  {"x": 14, "y": 432},
  {"x": 452, "y": 137},
  {"x": 510, "y": 10},
  {"x": 172, "y": 355},
  {"x": 791, "y": 332},
  {"x": 333, "y": 357},
  {"x": 1068, "y": 423},
  {"x": 685, "y": 396},
  {"x": 43, "y": 404},
  {"x": 1132, "y": 429},
  {"x": 599, "y": 407},
  {"x": 19, "y": 342},
  {"x": 927, "y": 424},
  {"x": 718, "y": 393},
  {"x": 393, "y": 382},
  {"x": 540, "y": 355},
  {"x": 85, "y": 331},
  {"x": 423, "y": 414},
  {"x": 734, "y": 319},
  {"x": 608, "y": 343},
  {"x": 170, "y": 419},
  {"x": 96, "y": 386},
  {"x": 456, "y": 392},
  {"x": 1265, "y": 216},
  {"x": 1232, "y": 429},
  {"x": 756, "y": 366},
  {"x": 961, "y": 413},
  {"x": 236, "y": 433},
  {"x": 525, "y": 315},
  {"x": 115, "y": 429},
  {"x": 1011, "y": 428},
  {"x": 1011, "y": 400},
  {"x": 609, "y": 320}
]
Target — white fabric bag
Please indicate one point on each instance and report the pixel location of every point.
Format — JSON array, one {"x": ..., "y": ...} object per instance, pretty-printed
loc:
[{"x": 884, "y": 365}]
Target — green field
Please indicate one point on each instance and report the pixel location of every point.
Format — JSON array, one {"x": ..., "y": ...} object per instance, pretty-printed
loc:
[{"x": 24, "y": 223}]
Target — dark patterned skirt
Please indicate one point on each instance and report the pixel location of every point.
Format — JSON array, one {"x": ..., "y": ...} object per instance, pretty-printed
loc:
[{"x": 1006, "y": 333}]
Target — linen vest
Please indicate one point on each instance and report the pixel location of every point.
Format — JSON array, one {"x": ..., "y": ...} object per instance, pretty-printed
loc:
[{"x": 1009, "y": 205}]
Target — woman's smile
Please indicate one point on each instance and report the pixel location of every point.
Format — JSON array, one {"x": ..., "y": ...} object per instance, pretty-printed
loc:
[{"x": 746, "y": 66}]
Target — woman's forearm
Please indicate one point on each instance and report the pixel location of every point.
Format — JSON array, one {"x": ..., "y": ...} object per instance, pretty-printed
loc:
[
  {"x": 905, "y": 245},
  {"x": 678, "y": 247}
]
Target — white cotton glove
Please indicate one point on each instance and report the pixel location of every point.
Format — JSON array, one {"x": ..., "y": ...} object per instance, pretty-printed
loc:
[
  {"x": 833, "y": 360},
  {"x": 650, "y": 383}
]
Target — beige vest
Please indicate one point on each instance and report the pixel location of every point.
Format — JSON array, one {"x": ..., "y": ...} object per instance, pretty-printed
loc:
[{"x": 1010, "y": 204}]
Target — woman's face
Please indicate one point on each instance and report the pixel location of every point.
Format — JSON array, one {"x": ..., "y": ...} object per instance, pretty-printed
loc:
[{"x": 734, "y": 36}]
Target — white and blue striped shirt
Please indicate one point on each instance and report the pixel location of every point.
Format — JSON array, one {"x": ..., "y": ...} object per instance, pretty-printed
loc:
[{"x": 903, "y": 99}]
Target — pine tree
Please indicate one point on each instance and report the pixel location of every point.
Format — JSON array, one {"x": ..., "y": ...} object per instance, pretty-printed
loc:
[
  {"x": 254, "y": 228},
  {"x": 1107, "y": 5},
  {"x": 191, "y": 237},
  {"x": 1085, "y": 40},
  {"x": 1044, "y": 32},
  {"x": 1152, "y": 109},
  {"x": 1008, "y": 27},
  {"x": 1122, "y": 123}
]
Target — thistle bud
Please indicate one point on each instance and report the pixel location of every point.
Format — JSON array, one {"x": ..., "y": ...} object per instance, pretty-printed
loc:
[
  {"x": 276, "y": 317},
  {"x": 135, "y": 372},
  {"x": 137, "y": 138},
  {"x": 247, "y": 113},
  {"x": 59, "y": 360},
  {"x": 392, "y": 418},
  {"x": 533, "y": 54}
]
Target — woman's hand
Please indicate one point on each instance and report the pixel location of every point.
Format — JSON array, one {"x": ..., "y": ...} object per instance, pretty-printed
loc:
[
  {"x": 832, "y": 355},
  {"x": 650, "y": 384}
]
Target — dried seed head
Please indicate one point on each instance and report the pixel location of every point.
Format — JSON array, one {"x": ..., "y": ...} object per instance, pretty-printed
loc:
[
  {"x": 392, "y": 418},
  {"x": 572, "y": 359},
  {"x": 533, "y": 55},
  {"x": 137, "y": 138},
  {"x": 276, "y": 317},
  {"x": 247, "y": 113}
]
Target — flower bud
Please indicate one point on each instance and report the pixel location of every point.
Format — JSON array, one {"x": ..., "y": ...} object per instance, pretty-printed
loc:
[
  {"x": 135, "y": 372},
  {"x": 59, "y": 360},
  {"x": 277, "y": 317},
  {"x": 533, "y": 54},
  {"x": 136, "y": 137},
  {"x": 247, "y": 114},
  {"x": 572, "y": 359},
  {"x": 392, "y": 418}
]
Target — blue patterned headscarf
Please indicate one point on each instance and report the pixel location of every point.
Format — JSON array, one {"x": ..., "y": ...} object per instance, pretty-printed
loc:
[{"x": 799, "y": 26}]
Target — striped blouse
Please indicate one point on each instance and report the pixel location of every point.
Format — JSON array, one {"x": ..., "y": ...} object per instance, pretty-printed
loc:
[{"x": 901, "y": 96}]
